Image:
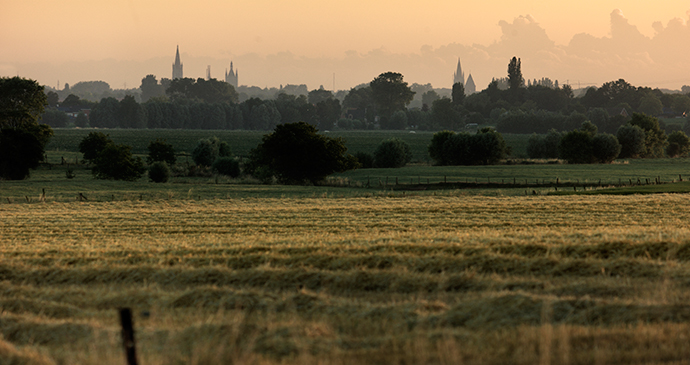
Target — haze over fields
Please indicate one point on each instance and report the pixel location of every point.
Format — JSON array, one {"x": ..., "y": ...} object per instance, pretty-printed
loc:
[{"x": 309, "y": 42}]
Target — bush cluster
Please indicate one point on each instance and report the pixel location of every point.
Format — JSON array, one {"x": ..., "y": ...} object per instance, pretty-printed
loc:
[
  {"x": 584, "y": 145},
  {"x": 208, "y": 150},
  {"x": 486, "y": 147},
  {"x": 392, "y": 153},
  {"x": 159, "y": 172},
  {"x": 544, "y": 146}
]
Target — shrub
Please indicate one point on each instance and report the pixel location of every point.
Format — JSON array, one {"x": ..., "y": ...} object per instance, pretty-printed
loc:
[
  {"x": 160, "y": 150},
  {"x": 366, "y": 160},
  {"x": 605, "y": 148},
  {"x": 487, "y": 147},
  {"x": 344, "y": 123},
  {"x": 576, "y": 147},
  {"x": 654, "y": 136},
  {"x": 117, "y": 163},
  {"x": 392, "y": 153},
  {"x": 91, "y": 145},
  {"x": 208, "y": 150},
  {"x": 631, "y": 138},
  {"x": 437, "y": 147},
  {"x": 398, "y": 120},
  {"x": 20, "y": 151},
  {"x": 484, "y": 148},
  {"x": 55, "y": 118},
  {"x": 544, "y": 146},
  {"x": 81, "y": 121},
  {"x": 227, "y": 166},
  {"x": 678, "y": 144},
  {"x": 159, "y": 172},
  {"x": 584, "y": 145},
  {"x": 295, "y": 153}
]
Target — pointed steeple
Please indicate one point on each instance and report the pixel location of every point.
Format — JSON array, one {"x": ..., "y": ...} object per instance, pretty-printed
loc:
[
  {"x": 177, "y": 66},
  {"x": 231, "y": 78},
  {"x": 459, "y": 76},
  {"x": 470, "y": 87}
]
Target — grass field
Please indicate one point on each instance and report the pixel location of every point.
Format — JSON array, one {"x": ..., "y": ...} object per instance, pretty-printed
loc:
[
  {"x": 241, "y": 142},
  {"x": 223, "y": 271},
  {"x": 360, "y": 280}
]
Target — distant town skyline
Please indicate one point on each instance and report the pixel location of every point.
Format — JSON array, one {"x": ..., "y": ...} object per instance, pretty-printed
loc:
[{"x": 341, "y": 45}]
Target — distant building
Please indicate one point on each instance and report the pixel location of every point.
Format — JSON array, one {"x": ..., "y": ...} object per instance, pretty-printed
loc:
[
  {"x": 470, "y": 87},
  {"x": 459, "y": 77},
  {"x": 231, "y": 78},
  {"x": 177, "y": 66}
]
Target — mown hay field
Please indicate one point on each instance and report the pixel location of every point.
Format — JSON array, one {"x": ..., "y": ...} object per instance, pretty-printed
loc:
[{"x": 357, "y": 280}]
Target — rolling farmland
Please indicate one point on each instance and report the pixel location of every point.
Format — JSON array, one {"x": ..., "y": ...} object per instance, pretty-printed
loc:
[{"x": 377, "y": 279}]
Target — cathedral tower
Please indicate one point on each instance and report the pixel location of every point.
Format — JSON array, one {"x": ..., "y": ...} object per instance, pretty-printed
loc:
[
  {"x": 231, "y": 78},
  {"x": 470, "y": 87},
  {"x": 177, "y": 66},
  {"x": 459, "y": 76}
]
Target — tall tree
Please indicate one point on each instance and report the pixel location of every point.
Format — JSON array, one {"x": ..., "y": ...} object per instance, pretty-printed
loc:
[
  {"x": 22, "y": 102},
  {"x": 296, "y": 153},
  {"x": 210, "y": 91},
  {"x": 458, "y": 94},
  {"x": 131, "y": 114},
  {"x": 515, "y": 79},
  {"x": 22, "y": 139},
  {"x": 655, "y": 137},
  {"x": 150, "y": 88},
  {"x": 318, "y": 95},
  {"x": 390, "y": 93}
]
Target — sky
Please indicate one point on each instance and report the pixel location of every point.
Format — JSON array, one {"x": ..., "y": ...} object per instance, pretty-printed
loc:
[{"x": 340, "y": 44}]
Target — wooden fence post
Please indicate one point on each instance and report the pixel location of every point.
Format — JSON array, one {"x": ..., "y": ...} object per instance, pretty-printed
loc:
[{"x": 128, "y": 336}]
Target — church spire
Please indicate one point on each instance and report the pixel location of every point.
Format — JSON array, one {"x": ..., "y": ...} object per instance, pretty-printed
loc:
[
  {"x": 459, "y": 76},
  {"x": 177, "y": 66},
  {"x": 231, "y": 78}
]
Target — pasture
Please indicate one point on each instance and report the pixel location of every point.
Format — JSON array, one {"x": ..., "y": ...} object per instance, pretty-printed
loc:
[
  {"x": 360, "y": 280},
  {"x": 221, "y": 271},
  {"x": 67, "y": 140}
]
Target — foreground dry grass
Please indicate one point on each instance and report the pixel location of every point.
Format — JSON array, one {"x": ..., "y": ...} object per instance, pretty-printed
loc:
[{"x": 415, "y": 280}]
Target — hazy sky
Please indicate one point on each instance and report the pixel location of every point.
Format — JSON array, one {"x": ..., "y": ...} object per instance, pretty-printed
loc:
[{"x": 307, "y": 41}]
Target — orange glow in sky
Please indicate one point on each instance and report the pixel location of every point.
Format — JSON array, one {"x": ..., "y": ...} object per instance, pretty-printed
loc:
[{"x": 38, "y": 38}]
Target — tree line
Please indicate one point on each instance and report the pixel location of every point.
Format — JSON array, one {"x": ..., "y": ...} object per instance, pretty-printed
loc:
[{"x": 509, "y": 103}]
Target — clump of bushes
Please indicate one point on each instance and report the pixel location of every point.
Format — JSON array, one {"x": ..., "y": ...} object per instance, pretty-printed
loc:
[
  {"x": 91, "y": 145},
  {"x": 584, "y": 145},
  {"x": 159, "y": 172},
  {"x": 161, "y": 150},
  {"x": 208, "y": 150},
  {"x": 392, "y": 153},
  {"x": 294, "y": 153},
  {"x": 115, "y": 162},
  {"x": 486, "y": 147},
  {"x": 227, "y": 166},
  {"x": 544, "y": 146},
  {"x": 366, "y": 160},
  {"x": 678, "y": 144}
]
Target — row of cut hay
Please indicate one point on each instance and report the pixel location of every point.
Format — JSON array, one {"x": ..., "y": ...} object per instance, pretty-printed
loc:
[
  {"x": 80, "y": 301},
  {"x": 12, "y": 355},
  {"x": 337, "y": 273},
  {"x": 440, "y": 257},
  {"x": 24, "y": 330},
  {"x": 380, "y": 256},
  {"x": 505, "y": 310}
]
